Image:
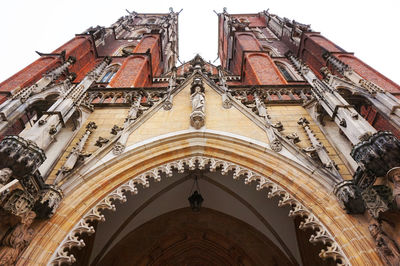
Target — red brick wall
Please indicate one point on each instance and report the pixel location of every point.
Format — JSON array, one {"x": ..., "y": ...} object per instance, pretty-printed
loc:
[
  {"x": 79, "y": 47},
  {"x": 151, "y": 42},
  {"x": 29, "y": 74},
  {"x": 260, "y": 69},
  {"x": 369, "y": 73},
  {"x": 377, "y": 120},
  {"x": 244, "y": 42},
  {"x": 129, "y": 73}
]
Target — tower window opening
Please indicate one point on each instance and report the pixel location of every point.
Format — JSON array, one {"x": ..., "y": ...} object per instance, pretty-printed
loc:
[{"x": 285, "y": 72}]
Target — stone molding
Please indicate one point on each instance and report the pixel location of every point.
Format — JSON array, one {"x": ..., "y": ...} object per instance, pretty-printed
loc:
[{"x": 310, "y": 221}]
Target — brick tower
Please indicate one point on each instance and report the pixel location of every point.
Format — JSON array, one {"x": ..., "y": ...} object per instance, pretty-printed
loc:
[{"x": 289, "y": 113}]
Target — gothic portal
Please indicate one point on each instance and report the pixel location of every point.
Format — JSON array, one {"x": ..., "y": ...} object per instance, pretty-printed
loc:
[{"x": 287, "y": 153}]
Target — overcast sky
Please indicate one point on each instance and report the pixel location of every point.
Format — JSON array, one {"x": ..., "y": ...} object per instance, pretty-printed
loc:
[{"x": 369, "y": 28}]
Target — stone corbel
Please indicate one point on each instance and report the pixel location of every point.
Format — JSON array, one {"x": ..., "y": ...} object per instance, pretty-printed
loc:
[{"x": 349, "y": 197}]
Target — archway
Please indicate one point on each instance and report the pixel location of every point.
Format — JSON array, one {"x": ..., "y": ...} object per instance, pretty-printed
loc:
[{"x": 295, "y": 186}]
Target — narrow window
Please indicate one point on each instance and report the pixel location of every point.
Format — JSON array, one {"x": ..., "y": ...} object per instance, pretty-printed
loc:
[
  {"x": 285, "y": 72},
  {"x": 106, "y": 77}
]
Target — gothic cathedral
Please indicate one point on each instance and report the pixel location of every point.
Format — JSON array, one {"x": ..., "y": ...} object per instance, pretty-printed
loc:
[{"x": 112, "y": 153}]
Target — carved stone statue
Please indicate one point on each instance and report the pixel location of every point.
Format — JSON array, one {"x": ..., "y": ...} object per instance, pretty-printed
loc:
[
  {"x": 198, "y": 102},
  {"x": 197, "y": 117},
  {"x": 394, "y": 176},
  {"x": 5, "y": 175},
  {"x": 17, "y": 240},
  {"x": 387, "y": 248}
]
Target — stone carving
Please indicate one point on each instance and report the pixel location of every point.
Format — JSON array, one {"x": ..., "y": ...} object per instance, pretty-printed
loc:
[
  {"x": 386, "y": 247},
  {"x": 48, "y": 201},
  {"x": 101, "y": 141},
  {"x": 115, "y": 129},
  {"x": 293, "y": 137},
  {"x": 278, "y": 126},
  {"x": 260, "y": 109},
  {"x": 373, "y": 202},
  {"x": 394, "y": 176},
  {"x": 134, "y": 112},
  {"x": 197, "y": 117},
  {"x": 17, "y": 240},
  {"x": 20, "y": 155},
  {"x": 349, "y": 196},
  {"x": 171, "y": 87},
  {"x": 5, "y": 176},
  {"x": 318, "y": 147},
  {"x": 377, "y": 155},
  {"x": 19, "y": 202},
  {"x": 370, "y": 87},
  {"x": 76, "y": 153},
  {"x": 226, "y": 102},
  {"x": 321, "y": 235}
]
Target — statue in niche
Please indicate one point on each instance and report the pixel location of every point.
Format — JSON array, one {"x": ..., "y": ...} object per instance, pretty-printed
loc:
[
  {"x": 197, "y": 117},
  {"x": 394, "y": 176},
  {"x": 387, "y": 248},
  {"x": 198, "y": 102}
]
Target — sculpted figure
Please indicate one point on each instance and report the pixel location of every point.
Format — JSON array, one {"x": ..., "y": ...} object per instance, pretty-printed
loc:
[
  {"x": 387, "y": 248},
  {"x": 5, "y": 175},
  {"x": 17, "y": 240},
  {"x": 198, "y": 102},
  {"x": 394, "y": 176}
]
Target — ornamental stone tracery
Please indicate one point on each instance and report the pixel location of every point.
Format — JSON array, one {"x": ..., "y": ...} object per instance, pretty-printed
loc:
[{"x": 309, "y": 220}]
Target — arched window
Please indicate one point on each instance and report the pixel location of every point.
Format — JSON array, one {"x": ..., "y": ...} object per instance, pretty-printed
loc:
[
  {"x": 285, "y": 72},
  {"x": 107, "y": 77},
  {"x": 109, "y": 74}
]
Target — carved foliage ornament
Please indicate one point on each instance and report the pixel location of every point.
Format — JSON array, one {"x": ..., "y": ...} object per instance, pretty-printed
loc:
[{"x": 322, "y": 235}]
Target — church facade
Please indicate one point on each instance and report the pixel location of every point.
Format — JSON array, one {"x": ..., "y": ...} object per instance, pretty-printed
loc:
[{"x": 287, "y": 153}]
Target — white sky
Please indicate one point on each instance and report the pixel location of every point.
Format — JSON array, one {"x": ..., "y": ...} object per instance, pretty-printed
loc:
[{"x": 368, "y": 28}]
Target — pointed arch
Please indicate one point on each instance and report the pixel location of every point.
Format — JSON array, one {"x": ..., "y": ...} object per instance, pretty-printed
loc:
[{"x": 94, "y": 189}]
